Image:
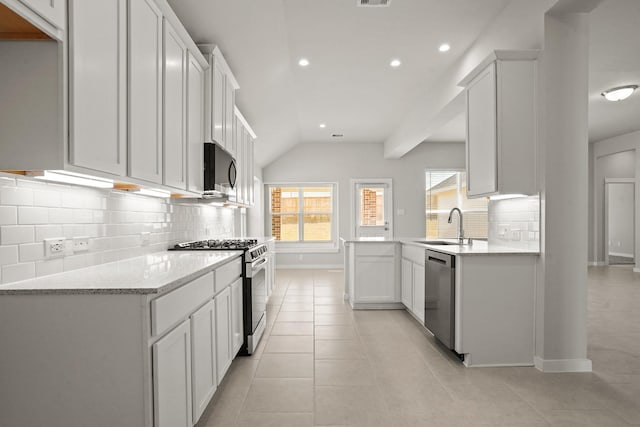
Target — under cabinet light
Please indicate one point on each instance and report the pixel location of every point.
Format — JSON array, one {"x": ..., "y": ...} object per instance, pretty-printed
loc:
[
  {"x": 66, "y": 177},
  {"x": 153, "y": 192},
  {"x": 506, "y": 196},
  {"x": 619, "y": 93}
]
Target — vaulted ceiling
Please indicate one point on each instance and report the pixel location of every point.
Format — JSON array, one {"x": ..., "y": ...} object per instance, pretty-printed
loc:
[{"x": 349, "y": 85}]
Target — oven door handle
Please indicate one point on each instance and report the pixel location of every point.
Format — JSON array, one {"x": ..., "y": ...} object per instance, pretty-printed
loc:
[{"x": 259, "y": 264}]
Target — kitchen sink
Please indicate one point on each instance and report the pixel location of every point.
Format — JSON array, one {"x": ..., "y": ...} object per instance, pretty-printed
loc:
[{"x": 435, "y": 242}]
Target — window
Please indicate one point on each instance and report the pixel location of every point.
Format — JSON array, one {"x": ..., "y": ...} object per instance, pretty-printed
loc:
[
  {"x": 302, "y": 217},
  {"x": 444, "y": 191}
]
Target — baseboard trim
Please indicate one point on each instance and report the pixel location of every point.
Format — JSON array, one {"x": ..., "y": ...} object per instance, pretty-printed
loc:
[
  {"x": 621, "y": 254},
  {"x": 596, "y": 264},
  {"x": 309, "y": 266},
  {"x": 378, "y": 306},
  {"x": 562, "y": 365},
  {"x": 636, "y": 270}
]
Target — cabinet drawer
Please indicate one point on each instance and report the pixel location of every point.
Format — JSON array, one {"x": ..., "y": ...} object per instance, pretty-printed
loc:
[
  {"x": 169, "y": 309},
  {"x": 376, "y": 249},
  {"x": 413, "y": 254},
  {"x": 228, "y": 273}
]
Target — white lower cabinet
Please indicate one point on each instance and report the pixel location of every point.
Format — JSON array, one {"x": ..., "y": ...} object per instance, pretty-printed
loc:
[
  {"x": 172, "y": 378},
  {"x": 203, "y": 357},
  {"x": 374, "y": 275},
  {"x": 418, "y": 291},
  {"x": 223, "y": 333},
  {"x": 413, "y": 280},
  {"x": 237, "y": 335}
]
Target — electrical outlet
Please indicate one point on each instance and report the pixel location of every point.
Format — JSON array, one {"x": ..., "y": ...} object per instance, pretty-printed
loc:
[
  {"x": 80, "y": 244},
  {"x": 53, "y": 247}
]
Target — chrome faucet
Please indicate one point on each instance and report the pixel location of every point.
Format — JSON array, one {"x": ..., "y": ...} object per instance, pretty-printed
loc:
[{"x": 460, "y": 230}]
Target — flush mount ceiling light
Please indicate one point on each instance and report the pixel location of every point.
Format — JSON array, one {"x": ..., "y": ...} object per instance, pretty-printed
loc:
[
  {"x": 323, "y": 125},
  {"x": 619, "y": 93},
  {"x": 395, "y": 63},
  {"x": 303, "y": 62},
  {"x": 66, "y": 177},
  {"x": 444, "y": 47}
]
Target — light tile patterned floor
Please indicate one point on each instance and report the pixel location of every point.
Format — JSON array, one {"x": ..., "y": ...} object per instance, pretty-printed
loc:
[{"x": 322, "y": 364}]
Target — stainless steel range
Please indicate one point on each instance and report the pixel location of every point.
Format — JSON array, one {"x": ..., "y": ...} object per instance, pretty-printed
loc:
[{"x": 254, "y": 272}]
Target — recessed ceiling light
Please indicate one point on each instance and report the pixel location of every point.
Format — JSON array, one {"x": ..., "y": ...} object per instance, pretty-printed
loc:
[
  {"x": 303, "y": 62},
  {"x": 444, "y": 47},
  {"x": 395, "y": 63},
  {"x": 322, "y": 125},
  {"x": 619, "y": 93}
]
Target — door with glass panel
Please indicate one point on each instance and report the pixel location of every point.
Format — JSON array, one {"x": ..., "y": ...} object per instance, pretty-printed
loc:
[{"x": 373, "y": 209}]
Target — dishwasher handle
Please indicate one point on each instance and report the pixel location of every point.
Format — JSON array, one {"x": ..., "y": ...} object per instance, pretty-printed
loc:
[{"x": 446, "y": 260}]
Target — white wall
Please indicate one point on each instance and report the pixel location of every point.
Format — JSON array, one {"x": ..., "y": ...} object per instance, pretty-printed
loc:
[
  {"x": 620, "y": 216},
  {"x": 341, "y": 162},
  {"x": 114, "y": 221},
  {"x": 615, "y": 157}
]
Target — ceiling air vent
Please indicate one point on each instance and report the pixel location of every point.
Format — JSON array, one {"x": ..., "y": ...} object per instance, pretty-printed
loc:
[{"x": 373, "y": 3}]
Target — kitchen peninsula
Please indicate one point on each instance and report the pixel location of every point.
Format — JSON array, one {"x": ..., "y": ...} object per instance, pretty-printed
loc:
[{"x": 493, "y": 295}]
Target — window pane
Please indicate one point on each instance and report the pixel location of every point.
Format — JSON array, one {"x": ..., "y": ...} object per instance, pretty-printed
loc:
[
  {"x": 372, "y": 206},
  {"x": 444, "y": 191},
  {"x": 285, "y": 227},
  {"x": 317, "y": 199},
  {"x": 317, "y": 227},
  {"x": 284, "y": 199}
]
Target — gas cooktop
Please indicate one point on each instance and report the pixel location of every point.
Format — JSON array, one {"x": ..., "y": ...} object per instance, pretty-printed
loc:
[{"x": 227, "y": 244}]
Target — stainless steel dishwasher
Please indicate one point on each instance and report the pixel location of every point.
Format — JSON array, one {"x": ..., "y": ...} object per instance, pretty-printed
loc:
[{"x": 439, "y": 307}]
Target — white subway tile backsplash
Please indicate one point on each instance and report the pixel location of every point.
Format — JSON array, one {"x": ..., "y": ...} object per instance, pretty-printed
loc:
[
  {"x": 8, "y": 215},
  {"x": 33, "y": 215},
  {"x": 17, "y": 196},
  {"x": 15, "y": 234},
  {"x": 47, "y": 198},
  {"x": 515, "y": 222},
  {"x": 112, "y": 220},
  {"x": 51, "y": 266},
  {"x": 31, "y": 252},
  {"x": 8, "y": 255},
  {"x": 16, "y": 272}
]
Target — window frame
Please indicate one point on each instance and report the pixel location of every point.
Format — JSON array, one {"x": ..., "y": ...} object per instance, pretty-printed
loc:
[
  {"x": 426, "y": 212},
  {"x": 301, "y": 246}
]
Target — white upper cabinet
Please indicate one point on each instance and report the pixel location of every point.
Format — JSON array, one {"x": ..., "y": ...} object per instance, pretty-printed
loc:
[
  {"x": 145, "y": 91},
  {"x": 501, "y": 125},
  {"x": 51, "y": 10},
  {"x": 220, "y": 87},
  {"x": 244, "y": 137},
  {"x": 97, "y": 85},
  {"x": 195, "y": 124},
  {"x": 174, "y": 106}
]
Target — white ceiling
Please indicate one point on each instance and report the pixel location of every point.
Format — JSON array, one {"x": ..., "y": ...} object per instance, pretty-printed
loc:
[{"x": 349, "y": 84}]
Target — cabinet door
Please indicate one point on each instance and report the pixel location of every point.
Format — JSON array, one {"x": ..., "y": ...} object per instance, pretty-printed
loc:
[
  {"x": 251, "y": 167},
  {"x": 174, "y": 143},
  {"x": 51, "y": 10},
  {"x": 97, "y": 85},
  {"x": 407, "y": 284},
  {"x": 482, "y": 154},
  {"x": 217, "y": 105},
  {"x": 240, "y": 163},
  {"x": 223, "y": 332},
  {"x": 203, "y": 358},
  {"x": 172, "y": 378},
  {"x": 418, "y": 291},
  {"x": 237, "y": 331},
  {"x": 229, "y": 115},
  {"x": 376, "y": 279},
  {"x": 195, "y": 125},
  {"x": 145, "y": 91}
]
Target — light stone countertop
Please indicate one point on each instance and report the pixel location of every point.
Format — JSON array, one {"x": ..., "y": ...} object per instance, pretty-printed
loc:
[
  {"x": 479, "y": 247},
  {"x": 154, "y": 273}
]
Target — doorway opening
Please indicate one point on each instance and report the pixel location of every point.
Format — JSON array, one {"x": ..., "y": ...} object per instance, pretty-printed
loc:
[{"x": 619, "y": 221}]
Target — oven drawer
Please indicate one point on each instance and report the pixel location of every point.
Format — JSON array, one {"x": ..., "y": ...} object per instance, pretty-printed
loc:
[
  {"x": 177, "y": 305},
  {"x": 227, "y": 274}
]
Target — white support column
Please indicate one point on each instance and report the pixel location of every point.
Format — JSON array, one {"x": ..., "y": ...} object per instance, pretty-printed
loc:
[{"x": 561, "y": 303}]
